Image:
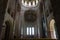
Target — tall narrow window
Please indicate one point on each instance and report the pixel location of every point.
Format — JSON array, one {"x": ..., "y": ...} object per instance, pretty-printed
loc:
[
  {"x": 30, "y": 30},
  {"x": 52, "y": 29}
]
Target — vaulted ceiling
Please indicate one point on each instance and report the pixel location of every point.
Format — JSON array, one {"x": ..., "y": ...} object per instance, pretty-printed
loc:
[{"x": 55, "y": 5}]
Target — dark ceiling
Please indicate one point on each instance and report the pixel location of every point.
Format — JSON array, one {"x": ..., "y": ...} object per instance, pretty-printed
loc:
[{"x": 56, "y": 10}]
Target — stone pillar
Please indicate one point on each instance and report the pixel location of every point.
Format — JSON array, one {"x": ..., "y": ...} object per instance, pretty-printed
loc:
[{"x": 3, "y": 4}]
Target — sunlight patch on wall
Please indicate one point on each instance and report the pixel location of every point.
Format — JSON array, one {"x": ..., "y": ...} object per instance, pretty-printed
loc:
[{"x": 52, "y": 29}]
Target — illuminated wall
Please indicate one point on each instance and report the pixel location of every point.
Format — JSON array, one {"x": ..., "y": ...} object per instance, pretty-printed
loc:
[{"x": 52, "y": 29}]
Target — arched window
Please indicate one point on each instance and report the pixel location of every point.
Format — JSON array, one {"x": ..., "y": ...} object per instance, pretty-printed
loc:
[
  {"x": 52, "y": 29},
  {"x": 30, "y": 3}
]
